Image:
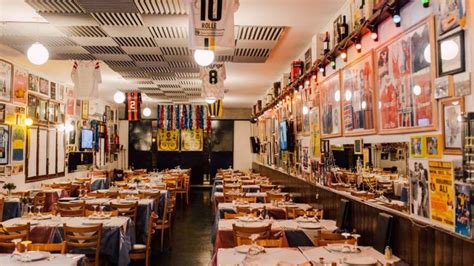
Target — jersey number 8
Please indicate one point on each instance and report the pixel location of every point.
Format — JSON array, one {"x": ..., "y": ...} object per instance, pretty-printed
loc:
[{"x": 213, "y": 77}]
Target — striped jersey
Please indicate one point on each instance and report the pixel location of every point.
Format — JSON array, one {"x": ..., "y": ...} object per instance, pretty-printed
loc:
[
  {"x": 86, "y": 78},
  {"x": 213, "y": 77},
  {"x": 132, "y": 106},
  {"x": 211, "y": 24}
]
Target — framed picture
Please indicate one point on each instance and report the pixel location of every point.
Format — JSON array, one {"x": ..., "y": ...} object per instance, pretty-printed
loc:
[
  {"x": 451, "y": 14},
  {"x": 417, "y": 147},
  {"x": 85, "y": 110},
  {"x": 70, "y": 102},
  {"x": 20, "y": 85},
  {"x": 42, "y": 110},
  {"x": 330, "y": 97},
  {"x": 336, "y": 32},
  {"x": 452, "y": 112},
  {"x": 79, "y": 108},
  {"x": 433, "y": 146},
  {"x": 358, "y": 146},
  {"x": 6, "y": 80},
  {"x": 60, "y": 92},
  {"x": 451, "y": 54},
  {"x": 358, "y": 99},
  {"x": 298, "y": 111},
  {"x": 404, "y": 81},
  {"x": 418, "y": 175},
  {"x": 33, "y": 104},
  {"x": 361, "y": 10},
  {"x": 18, "y": 143},
  {"x": 53, "y": 90},
  {"x": 33, "y": 83},
  {"x": 44, "y": 86},
  {"x": 315, "y": 133},
  {"x": 443, "y": 87},
  {"x": 462, "y": 84},
  {"x": 51, "y": 112},
  {"x": 4, "y": 148},
  {"x": 2, "y": 112}
]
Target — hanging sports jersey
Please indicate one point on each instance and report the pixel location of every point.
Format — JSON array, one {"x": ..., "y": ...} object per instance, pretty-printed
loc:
[
  {"x": 213, "y": 77},
  {"x": 86, "y": 77},
  {"x": 215, "y": 109},
  {"x": 211, "y": 24},
  {"x": 132, "y": 105}
]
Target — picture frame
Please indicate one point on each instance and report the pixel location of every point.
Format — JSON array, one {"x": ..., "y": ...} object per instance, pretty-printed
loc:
[
  {"x": 335, "y": 30},
  {"x": 6, "y": 80},
  {"x": 450, "y": 15},
  {"x": 85, "y": 109},
  {"x": 444, "y": 87},
  {"x": 449, "y": 63},
  {"x": 33, "y": 83},
  {"x": 298, "y": 111},
  {"x": 452, "y": 110},
  {"x": 20, "y": 85},
  {"x": 417, "y": 147},
  {"x": 361, "y": 10},
  {"x": 44, "y": 86},
  {"x": 4, "y": 145},
  {"x": 394, "y": 73},
  {"x": 462, "y": 84},
  {"x": 358, "y": 146},
  {"x": 53, "y": 89},
  {"x": 433, "y": 145},
  {"x": 331, "y": 107},
  {"x": 358, "y": 97},
  {"x": 3, "y": 111},
  {"x": 32, "y": 109},
  {"x": 42, "y": 110}
]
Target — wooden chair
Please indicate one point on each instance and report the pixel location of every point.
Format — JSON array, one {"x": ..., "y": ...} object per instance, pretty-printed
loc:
[
  {"x": 140, "y": 251},
  {"x": 64, "y": 186},
  {"x": 39, "y": 200},
  {"x": 247, "y": 199},
  {"x": 266, "y": 188},
  {"x": 2, "y": 206},
  {"x": 150, "y": 195},
  {"x": 267, "y": 243},
  {"x": 274, "y": 197},
  {"x": 164, "y": 223},
  {"x": 84, "y": 240},
  {"x": 71, "y": 209},
  {"x": 227, "y": 188},
  {"x": 126, "y": 209},
  {"x": 244, "y": 232},
  {"x": 52, "y": 247},
  {"x": 297, "y": 212},
  {"x": 229, "y": 197},
  {"x": 106, "y": 213},
  {"x": 246, "y": 210},
  {"x": 7, "y": 234},
  {"x": 325, "y": 238},
  {"x": 97, "y": 195},
  {"x": 112, "y": 194},
  {"x": 183, "y": 188}
]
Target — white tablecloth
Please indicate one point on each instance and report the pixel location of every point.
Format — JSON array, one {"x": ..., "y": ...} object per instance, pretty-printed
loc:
[
  {"x": 55, "y": 259},
  {"x": 312, "y": 253},
  {"x": 272, "y": 256}
]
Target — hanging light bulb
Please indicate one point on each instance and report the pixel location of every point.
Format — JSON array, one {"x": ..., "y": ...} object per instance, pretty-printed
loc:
[
  {"x": 28, "y": 122},
  {"x": 364, "y": 105},
  {"x": 146, "y": 112},
  {"x": 37, "y": 54},
  {"x": 305, "y": 110},
  {"x": 119, "y": 97},
  {"x": 306, "y": 83},
  {"x": 397, "y": 19},
  {"x": 374, "y": 35},
  {"x": 358, "y": 45},
  {"x": 204, "y": 57},
  {"x": 333, "y": 63},
  {"x": 417, "y": 90},
  {"x": 344, "y": 55},
  {"x": 300, "y": 87},
  {"x": 211, "y": 100},
  {"x": 314, "y": 77},
  {"x": 322, "y": 68}
]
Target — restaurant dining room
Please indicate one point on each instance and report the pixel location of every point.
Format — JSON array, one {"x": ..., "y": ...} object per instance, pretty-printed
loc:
[{"x": 236, "y": 132}]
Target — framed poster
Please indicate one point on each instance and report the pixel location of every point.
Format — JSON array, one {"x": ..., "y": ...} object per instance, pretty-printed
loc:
[
  {"x": 85, "y": 110},
  {"x": 44, "y": 86},
  {"x": 452, "y": 111},
  {"x": 6, "y": 80},
  {"x": 53, "y": 86},
  {"x": 70, "y": 102},
  {"x": 191, "y": 140},
  {"x": 442, "y": 199},
  {"x": 336, "y": 30},
  {"x": 443, "y": 87},
  {"x": 3, "y": 111},
  {"x": 404, "y": 80},
  {"x": 462, "y": 84},
  {"x": 330, "y": 103},
  {"x": 361, "y": 10},
  {"x": 4, "y": 141},
  {"x": 433, "y": 146},
  {"x": 42, "y": 110},
  {"x": 358, "y": 146},
  {"x": 451, "y": 54},
  {"x": 419, "y": 187},
  {"x": 451, "y": 14},
  {"x": 315, "y": 133},
  {"x": 168, "y": 140},
  {"x": 20, "y": 85},
  {"x": 52, "y": 112},
  {"x": 60, "y": 92},
  {"x": 298, "y": 111},
  {"x": 417, "y": 147},
  {"x": 463, "y": 209},
  {"x": 79, "y": 108},
  {"x": 18, "y": 143},
  {"x": 358, "y": 99},
  {"x": 33, "y": 104},
  {"x": 33, "y": 83},
  {"x": 306, "y": 122}
]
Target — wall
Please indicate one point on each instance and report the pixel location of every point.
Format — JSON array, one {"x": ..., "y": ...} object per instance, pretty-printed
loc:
[{"x": 242, "y": 149}]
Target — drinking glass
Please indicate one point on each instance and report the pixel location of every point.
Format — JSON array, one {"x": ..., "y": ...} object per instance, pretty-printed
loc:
[{"x": 95, "y": 209}]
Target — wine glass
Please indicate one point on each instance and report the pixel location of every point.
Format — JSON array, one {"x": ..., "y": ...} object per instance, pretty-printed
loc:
[
  {"x": 356, "y": 236},
  {"x": 39, "y": 209},
  {"x": 102, "y": 207},
  {"x": 16, "y": 252},
  {"x": 95, "y": 209},
  {"x": 346, "y": 236},
  {"x": 30, "y": 207}
]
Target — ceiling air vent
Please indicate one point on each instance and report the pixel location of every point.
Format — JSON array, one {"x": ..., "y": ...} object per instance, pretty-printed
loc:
[
  {"x": 135, "y": 41},
  {"x": 163, "y": 7},
  {"x": 169, "y": 32},
  {"x": 259, "y": 33},
  {"x": 147, "y": 57},
  {"x": 157, "y": 69},
  {"x": 179, "y": 51},
  {"x": 183, "y": 64},
  {"x": 83, "y": 31},
  {"x": 120, "y": 63},
  {"x": 104, "y": 49},
  {"x": 55, "y": 6},
  {"x": 187, "y": 75},
  {"x": 75, "y": 56},
  {"x": 252, "y": 52},
  {"x": 118, "y": 19}
]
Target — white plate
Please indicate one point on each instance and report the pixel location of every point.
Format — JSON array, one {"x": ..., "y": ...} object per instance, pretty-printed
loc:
[
  {"x": 335, "y": 247},
  {"x": 251, "y": 225},
  {"x": 243, "y": 249},
  {"x": 312, "y": 226},
  {"x": 36, "y": 255},
  {"x": 91, "y": 223},
  {"x": 99, "y": 217},
  {"x": 68, "y": 198},
  {"x": 247, "y": 219},
  {"x": 41, "y": 218},
  {"x": 361, "y": 261}
]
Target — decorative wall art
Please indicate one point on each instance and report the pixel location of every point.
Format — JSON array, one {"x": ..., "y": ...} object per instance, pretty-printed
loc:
[
  {"x": 33, "y": 83},
  {"x": 20, "y": 85},
  {"x": 44, "y": 86},
  {"x": 419, "y": 188},
  {"x": 417, "y": 147},
  {"x": 6, "y": 76},
  {"x": 433, "y": 146},
  {"x": 4, "y": 141},
  {"x": 168, "y": 140},
  {"x": 450, "y": 14},
  {"x": 452, "y": 111},
  {"x": 315, "y": 145},
  {"x": 192, "y": 140},
  {"x": 451, "y": 54},
  {"x": 442, "y": 199},
  {"x": 462, "y": 84},
  {"x": 443, "y": 87},
  {"x": 330, "y": 97},
  {"x": 18, "y": 143}
]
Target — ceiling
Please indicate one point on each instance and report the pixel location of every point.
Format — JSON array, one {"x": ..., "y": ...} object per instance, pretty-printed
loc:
[{"x": 145, "y": 42}]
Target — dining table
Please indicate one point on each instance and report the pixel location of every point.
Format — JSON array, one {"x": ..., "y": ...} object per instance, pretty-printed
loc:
[
  {"x": 118, "y": 234},
  {"x": 362, "y": 255},
  {"x": 271, "y": 256},
  {"x": 11, "y": 208},
  {"x": 51, "y": 260}
]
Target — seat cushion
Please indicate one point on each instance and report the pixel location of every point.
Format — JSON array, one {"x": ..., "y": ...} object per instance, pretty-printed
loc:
[{"x": 138, "y": 246}]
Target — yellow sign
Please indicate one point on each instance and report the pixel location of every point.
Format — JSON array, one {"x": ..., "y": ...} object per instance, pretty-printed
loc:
[
  {"x": 315, "y": 133},
  {"x": 442, "y": 192},
  {"x": 191, "y": 140},
  {"x": 168, "y": 140}
]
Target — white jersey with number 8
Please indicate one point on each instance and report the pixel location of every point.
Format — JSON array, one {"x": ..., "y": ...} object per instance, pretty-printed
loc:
[{"x": 213, "y": 77}]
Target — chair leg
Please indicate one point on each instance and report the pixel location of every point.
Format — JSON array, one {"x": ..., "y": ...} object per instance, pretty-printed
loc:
[
  {"x": 162, "y": 237},
  {"x": 187, "y": 198}
]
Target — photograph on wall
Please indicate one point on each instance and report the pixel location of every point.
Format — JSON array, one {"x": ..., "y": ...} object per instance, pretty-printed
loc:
[
  {"x": 168, "y": 140},
  {"x": 78, "y": 107},
  {"x": 306, "y": 122},
  {"x": 4, "y": 141},
  {"x": 6, "y": 75},
  {"x": 462, "y": 84},
  {"x": 53, "y": 87},
  {"x": 358, "y": 146},
  {"x": 330, "y": 97},
  {"x": 298, "y": 111},
  {"x": 283, "y": 139},
  {"x": 361, "y": 10},
  {"x": 42, "y": 110},
  {"x": 417, "y": 147},
  {"x": 191, "y": 139},
  {"x": 85, "y": 109},
  {"x": 358, "y": 97},
  {"x": 18, "y": 142},
  {"x": 2, "y": 112},
  {"x": 33, "y": 104},
  {"x": 305, "y": 166},
  {"x": 60, "y": 92},
  {"x": 44, "y": 86},
  {"x": 315, "y": 133},
  {"x": 442, "y": 199},
  {"x": 404, "y": 81},
  {"x": 20, "y": 85},
  {"x": 419, "y": 187},
  {"x": 463, "y": 209},
  {"x": 70, "y": 102},
  {"x": 443, "y": 87},
  {"x": 33, "y": 83},
  {"x": 452, "y": 110},
  {"x": 451, "y": 54},
  {"x": 450, "y": 14},
  {"x": 433, "y": 146},
  {"x": 72, "y": 133}
]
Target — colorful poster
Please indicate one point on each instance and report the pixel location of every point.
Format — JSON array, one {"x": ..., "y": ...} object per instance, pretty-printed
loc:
[
  {"x": 463, "y": 210},
  {"x": 298, "y": 111},
  {"x": 419, "y": 188},
  {"x": 442, "y": 192},
  {"x": 315, "y": 133},
  {"x": 70, "y": 102},
  {"x": 191, "y": 140},
  {"x": 358, "y": 100},
  {"x": 451, "y": 14},
  {"x": 6, "y": 73},
  {"x": 330, "y": 98},
  {"x": 405, "y": 79},
  {"x": 168, "y": 140},
  {"x": 33, "y": 104},
  {"x": 44, "y": 86},
  {"x": 4, "y": 140},
  {"x": 20, "y": 85},
  {"x": 18, "y": 142}
]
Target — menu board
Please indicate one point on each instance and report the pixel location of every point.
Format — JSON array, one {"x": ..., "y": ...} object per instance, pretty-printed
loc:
[{"x": 442, "y": 192}]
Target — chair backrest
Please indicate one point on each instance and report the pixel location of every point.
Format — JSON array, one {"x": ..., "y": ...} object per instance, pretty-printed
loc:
[
  {"x": 2, "y": 206},
  {"x": 97, "y": 194},
  {"x": 39, "y": 199},
  {"x": 267, "y": 243},
  {"x": 7, "y": 234},
  {"x": 112, "y": 194},
  {"x": 126, "y": 209},
  {"x": 107, "y": 213},
  {"x": 325, "y": 242},
  {"x": 85, "y": 238},
  {"x": 263, "y": 232},
  {"x": 150, "y": 195},
  {"x": 384, "y": 232},
  {"x": 71, "y": 209},
  {"x": 247, "y": 199},
  {"x": 151, "y": 230},
  {"x": 274, "y": 197},
  {"x": 297, "y": 212},
  {"x": 51, "y": 247}
]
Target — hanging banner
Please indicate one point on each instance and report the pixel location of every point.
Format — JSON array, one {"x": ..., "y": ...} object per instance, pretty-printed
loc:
[
  {"x": 463, "y": 209},
  {"x": 215, "y": 109},
  {"x": 168, "y": 140},
  {"x": 191, "y": 140},
  {"x": 132, "y": 105},
  {"x": 442, "y": 192}
]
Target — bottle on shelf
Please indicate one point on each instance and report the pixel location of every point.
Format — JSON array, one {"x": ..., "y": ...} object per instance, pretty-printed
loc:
[
  {"x": 343, "y": 29},
  {"x": 326, "y": 42}
]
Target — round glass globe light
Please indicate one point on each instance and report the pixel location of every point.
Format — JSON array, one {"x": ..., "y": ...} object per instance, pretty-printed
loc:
[
  {"x": 211, "y": 100},
  {"x": 146, "y": 112},
  {"x": 37, "y": 54},
  {"x": 119, "y": 97},
  {"x": 204, "y": 57}
]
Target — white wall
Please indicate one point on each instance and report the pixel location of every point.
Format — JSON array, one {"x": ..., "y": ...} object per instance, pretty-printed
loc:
[{"x": 242, "y": 149}]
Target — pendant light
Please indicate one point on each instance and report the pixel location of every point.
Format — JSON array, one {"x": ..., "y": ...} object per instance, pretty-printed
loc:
[
  {"x": 146, "y": 112},
  {"x": 119, "y": 97},
  {"x": 204, "y": 57},
  {"x": 38, "y": 54}
]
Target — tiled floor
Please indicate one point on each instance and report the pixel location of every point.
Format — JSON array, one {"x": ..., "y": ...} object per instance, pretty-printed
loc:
[{"x": 190, "y": 242}]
